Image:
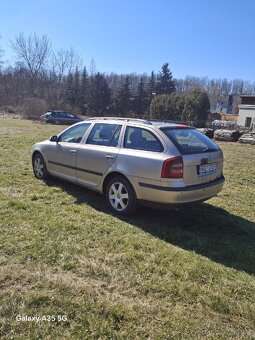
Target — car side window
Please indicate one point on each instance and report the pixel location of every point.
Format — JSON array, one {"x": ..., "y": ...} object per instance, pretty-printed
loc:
[
  {"x": 104, "y": 134},
  {"x": 141, "y": 139},
  {"x": 74, "y": 134},
  {"x": 116, "y": 136},
  {"x": 62, "y": 115},
  {"x": 69, "y": 115}
]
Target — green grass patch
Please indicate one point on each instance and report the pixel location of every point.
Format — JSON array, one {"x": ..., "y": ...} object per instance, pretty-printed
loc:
[{"x": 180, "y": 274}]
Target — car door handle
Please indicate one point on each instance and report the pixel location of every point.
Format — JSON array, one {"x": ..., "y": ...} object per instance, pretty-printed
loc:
[
  {"x": 72, "y": 151},
  {"x": 108, "y": 156}
]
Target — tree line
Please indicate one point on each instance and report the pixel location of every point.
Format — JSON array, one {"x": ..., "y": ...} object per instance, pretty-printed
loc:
[{"x": 43, "y": 78}]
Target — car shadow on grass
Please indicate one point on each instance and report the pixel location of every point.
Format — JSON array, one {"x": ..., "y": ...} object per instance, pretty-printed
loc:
[{"x": 203, "y": 228}]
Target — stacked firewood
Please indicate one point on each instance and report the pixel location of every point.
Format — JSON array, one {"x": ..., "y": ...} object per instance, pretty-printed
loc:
[
  {"x": 207, "y": 132},
  {"x": 227, "y": 135},
  {"x": 248, "y": 138}
]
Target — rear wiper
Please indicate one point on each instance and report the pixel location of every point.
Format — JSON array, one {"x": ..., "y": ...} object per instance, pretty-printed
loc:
[{"x": 209, "y": 150}]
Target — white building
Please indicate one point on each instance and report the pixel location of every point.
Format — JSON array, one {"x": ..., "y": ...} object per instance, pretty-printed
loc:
[{"x": 246, "y": 114}]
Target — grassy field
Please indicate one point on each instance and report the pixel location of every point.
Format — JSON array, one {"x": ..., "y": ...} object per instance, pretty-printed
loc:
[{"x": 182, "y": 274}]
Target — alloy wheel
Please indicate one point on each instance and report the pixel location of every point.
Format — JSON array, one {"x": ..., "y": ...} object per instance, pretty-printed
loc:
[
  {"x": 38, "y": 167},
  {"x": 118, "y": 196}
]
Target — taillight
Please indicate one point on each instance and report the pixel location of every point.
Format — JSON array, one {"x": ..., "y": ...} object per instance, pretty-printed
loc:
[{"x": 172, "y": 168}]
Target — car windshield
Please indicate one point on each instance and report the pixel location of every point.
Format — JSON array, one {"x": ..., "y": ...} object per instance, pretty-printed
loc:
[{"x": 190, "y": 141}]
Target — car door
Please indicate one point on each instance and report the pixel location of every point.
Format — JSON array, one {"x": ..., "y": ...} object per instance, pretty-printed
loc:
[
  {"x": 71, "y": 118},
  {"x": 98, "y": 154},
  {"x": 63, "y": 118},
  {"x": 142, "y": 154},
  {"x": 61, "y": 156},
  {"x": 51, "y": 117}
]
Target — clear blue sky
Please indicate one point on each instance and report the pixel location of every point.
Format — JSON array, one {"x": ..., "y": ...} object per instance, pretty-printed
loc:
[{"x": 213, "y": 38}]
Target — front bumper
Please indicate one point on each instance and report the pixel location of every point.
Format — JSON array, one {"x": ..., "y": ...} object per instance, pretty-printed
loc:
[{"x": 180, "y": 195}]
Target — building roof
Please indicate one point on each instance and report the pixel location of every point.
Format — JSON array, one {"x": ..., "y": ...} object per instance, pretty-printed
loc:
[{"x": 246, "y": 106}]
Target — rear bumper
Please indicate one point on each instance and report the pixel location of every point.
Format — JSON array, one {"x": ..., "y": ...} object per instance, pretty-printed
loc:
[{"x": 180, "y": 195}]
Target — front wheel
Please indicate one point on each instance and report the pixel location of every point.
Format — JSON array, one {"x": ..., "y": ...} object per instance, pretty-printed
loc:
[
  {"x": 120, "y": 196},
  {"x": 39, "y": 167},
  {"x": 56, "y": 122}
]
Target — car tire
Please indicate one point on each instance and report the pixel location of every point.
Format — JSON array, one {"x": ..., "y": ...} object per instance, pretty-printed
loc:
[
  {"x": 39, "y": 167},
  {"x": 120, "y": 196},
  {"x": 56, "y": 122}
]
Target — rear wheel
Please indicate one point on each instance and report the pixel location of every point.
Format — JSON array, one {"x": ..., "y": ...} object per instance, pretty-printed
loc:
[
  {"x": 39, "y": 167},
  {"x": 120, "y": 196}
]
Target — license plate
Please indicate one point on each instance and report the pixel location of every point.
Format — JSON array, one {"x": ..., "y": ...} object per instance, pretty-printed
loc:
[{"x": 207, "y": 169}]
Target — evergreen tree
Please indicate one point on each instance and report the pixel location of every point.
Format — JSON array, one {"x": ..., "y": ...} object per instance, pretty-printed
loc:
[
  {"x": 68, "y": 95},
  {"x": 165, "y": 83},
  {"x": 141, "y": 100},
  {"x": 151, "y": 87},
  {"x": 100, "y": 95},
  {"x": 124, "y": 99},
  {"x": 84, "y": 89},
  {"x": 76, "y": 88}
]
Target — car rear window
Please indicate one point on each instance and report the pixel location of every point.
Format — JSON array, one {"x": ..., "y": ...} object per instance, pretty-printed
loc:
[{"x": 190, "y": 141}]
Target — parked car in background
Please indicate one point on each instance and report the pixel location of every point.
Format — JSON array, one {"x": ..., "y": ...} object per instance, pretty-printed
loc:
[
  {"x": 134, "y": 161},
  {"x": 60, "y": 117}
]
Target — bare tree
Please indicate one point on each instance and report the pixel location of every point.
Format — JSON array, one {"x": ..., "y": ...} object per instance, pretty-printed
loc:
[
  {"x": 1, "y": 55},
  {"x": 64, "y": 61},
  {"x": 92, "y": 68},
  {"x": 33, "y": 52}
]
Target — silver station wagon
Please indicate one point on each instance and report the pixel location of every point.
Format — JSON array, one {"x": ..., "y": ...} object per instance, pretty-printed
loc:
[{"x": 134, "y": 161}]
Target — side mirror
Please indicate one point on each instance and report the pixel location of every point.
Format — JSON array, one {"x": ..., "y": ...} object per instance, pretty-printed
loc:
[{"x": 54, "y": 138}]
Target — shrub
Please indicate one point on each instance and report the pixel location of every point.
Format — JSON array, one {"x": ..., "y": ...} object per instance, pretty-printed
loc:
[
  {"x": 167, "y": 106},
  {"x": 192, "y": 107},
  {"x": 32, "y": 108}
]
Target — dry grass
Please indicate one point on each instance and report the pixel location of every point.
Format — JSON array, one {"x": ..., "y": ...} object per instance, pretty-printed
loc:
[{"x": 173, "y": 274}]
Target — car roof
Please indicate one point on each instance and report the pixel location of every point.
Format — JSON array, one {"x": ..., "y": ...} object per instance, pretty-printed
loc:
[
  {"x": 57, "y": 111},
  {"x": 165, "y": 124},
  {"x": 142, "y": 122}
]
